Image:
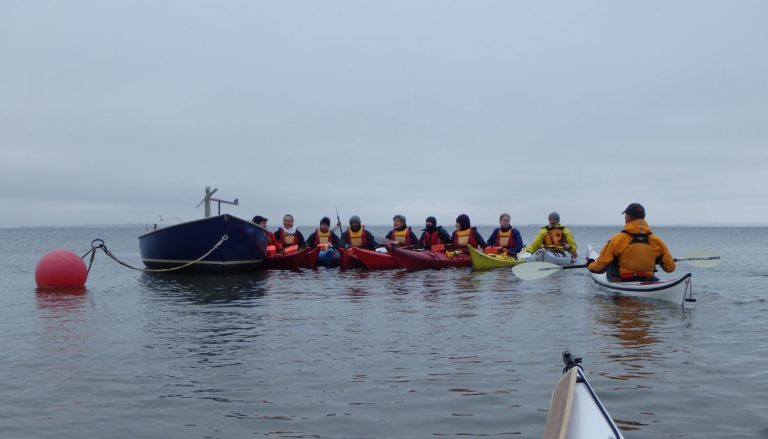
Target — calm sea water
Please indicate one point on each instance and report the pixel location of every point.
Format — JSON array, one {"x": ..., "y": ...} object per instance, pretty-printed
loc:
[{"x": 329, "y": 354}]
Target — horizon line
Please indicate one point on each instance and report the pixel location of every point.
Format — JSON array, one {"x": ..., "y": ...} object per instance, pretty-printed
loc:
[{"x": 145, "y": 225}]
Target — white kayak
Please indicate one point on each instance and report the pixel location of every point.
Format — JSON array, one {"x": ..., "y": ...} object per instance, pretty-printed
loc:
[
  {"x": 677, "y": 290},
  {"x": 575, "y": 411},
  {"x": 552, "y": 256}
]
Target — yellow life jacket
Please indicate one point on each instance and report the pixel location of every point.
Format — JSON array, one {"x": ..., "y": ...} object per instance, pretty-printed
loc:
[
  {"x": 356, "y": 239},
  {"x": 287, "y": 239},
  {"x": 462, "y": 236},
  {"x": 401, "y": 236},
  {"x": 323, "y": 238},
  {"x": 504, "y": 237}
]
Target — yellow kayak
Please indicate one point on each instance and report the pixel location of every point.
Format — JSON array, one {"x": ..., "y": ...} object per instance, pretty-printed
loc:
[{"x": 483, "y": 261}]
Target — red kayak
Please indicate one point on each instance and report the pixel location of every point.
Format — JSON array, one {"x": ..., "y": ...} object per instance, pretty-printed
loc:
[
  {"x": 310, "y": 258},
  {"x": 374, "y": 260},
  {"x": 282, "y": 261},
  {"x": 427, "y": 259},
  {"x": 348, "y": 258}
]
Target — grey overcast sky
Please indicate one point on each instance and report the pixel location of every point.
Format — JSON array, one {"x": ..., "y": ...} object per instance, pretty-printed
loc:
[{"x": 116, "y": 112}]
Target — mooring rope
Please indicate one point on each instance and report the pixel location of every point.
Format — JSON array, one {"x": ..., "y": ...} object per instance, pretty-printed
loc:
[{"x": 99, "y": 244}]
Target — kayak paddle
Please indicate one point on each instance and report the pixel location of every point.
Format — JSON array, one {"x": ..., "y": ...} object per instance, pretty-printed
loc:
[
  {"x": 701, "y": 259},
  {"x": 538, "y": 270}
]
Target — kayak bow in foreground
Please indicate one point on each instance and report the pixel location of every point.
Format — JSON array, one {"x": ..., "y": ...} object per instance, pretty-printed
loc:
[{"x": 575, "y": 411}]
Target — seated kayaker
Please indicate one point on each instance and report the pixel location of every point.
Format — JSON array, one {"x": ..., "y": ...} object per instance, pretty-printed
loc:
[
  {"x": 323, "y": 237},
  {"x": 633, "y": 253},
  {"x": 554, "y": 236},
  {"x": 401, "y": 232},
  {"x": 466, "y": 235},
  {"x": 506, "y": 236},
  {"x": 433, "y": 234},
  {"x": 288, "y": 234},
  {"x": 357, "y": 236},
  {"x": 271, "y": 239}
]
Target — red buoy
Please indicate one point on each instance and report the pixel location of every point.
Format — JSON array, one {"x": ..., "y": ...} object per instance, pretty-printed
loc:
[{"x": 60, "y": 269}]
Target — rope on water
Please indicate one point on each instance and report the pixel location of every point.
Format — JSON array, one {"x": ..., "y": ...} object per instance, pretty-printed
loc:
[{"x": 99, "y": 244}]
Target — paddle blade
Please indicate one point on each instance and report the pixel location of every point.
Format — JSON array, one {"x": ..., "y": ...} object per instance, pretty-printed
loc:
[
  {"x": 701, "y": 259},
  {"x": 534, "y": 270}
]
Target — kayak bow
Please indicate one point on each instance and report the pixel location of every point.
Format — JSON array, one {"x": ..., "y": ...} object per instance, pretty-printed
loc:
[{"x": 575, "y": 411}]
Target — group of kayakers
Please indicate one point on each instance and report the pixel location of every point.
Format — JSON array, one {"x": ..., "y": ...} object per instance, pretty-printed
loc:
[
  {"x": 505, "y": 237},
  {"x": 629, "y": 255}
]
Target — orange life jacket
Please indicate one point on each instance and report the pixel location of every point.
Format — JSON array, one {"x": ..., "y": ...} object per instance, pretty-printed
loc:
[
  {"x": 638, "y": 259},
  {"x": 555, "y": 238}
]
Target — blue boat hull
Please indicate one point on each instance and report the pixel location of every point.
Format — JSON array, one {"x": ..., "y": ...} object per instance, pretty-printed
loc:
[
  {"x": 328, "y": 258},
  {"x": 173, "y": 246}
]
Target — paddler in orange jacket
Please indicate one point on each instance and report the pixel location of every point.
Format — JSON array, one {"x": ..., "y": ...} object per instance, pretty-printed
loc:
[
  {"x": 634, "y": 252},
  {"x": 401, "y": 232}
]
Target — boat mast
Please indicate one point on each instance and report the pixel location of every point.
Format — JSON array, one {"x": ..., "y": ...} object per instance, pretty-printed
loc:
[{"x": 209, "y": 197}]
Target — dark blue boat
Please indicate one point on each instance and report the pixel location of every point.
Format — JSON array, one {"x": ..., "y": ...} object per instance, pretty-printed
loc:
[
  {"x": 328, "y": 258},
  {"x": 243, "y": 249}
]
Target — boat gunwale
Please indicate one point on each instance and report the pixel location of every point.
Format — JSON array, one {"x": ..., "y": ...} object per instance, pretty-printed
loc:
[
  {"x": 223, "y": 216},
  {"x": 663, "y": 285}
]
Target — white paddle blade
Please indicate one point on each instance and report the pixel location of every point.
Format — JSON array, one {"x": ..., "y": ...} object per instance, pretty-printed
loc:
[
  {"x": 534, "y": 270},
  {"x": 701, "y": 259}
]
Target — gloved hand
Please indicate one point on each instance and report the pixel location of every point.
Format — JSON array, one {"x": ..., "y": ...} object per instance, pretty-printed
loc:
[{"x": 589, "y": 261}]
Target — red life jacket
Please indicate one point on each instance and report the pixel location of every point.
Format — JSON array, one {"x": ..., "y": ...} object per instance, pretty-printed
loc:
[
  {"x": 271, "y": 240},
  {"x": 508, "y": 235},
  {"x": 468, "y": 235},
  {"x": 432, "y": 238}
]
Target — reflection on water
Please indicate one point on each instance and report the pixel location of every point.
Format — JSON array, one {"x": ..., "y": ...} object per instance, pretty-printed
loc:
[
  {"x": 60, "y": 300},
  {"x": 239, "y": 288},
  {"x": 631, "y": 318},
  {"x": 63, "y": 315},
  {"x": 638, "y": 326}
]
